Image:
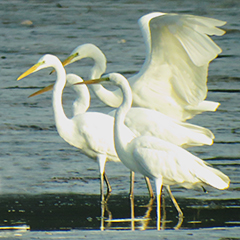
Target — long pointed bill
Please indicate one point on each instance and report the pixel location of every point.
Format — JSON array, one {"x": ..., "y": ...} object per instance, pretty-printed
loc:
[
  {"x": 67, "y": 61},
  {"x": 93, "y": 81},
  {"x": 46, "y": 89},
  {"x": 30, "y": 70}
]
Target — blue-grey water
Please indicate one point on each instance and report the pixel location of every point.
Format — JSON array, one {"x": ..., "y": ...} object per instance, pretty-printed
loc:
[{"x": 36, "y": 162}]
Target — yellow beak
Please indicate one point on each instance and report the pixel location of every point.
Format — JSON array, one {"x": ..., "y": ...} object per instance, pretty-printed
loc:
[
  {"x": 66, "y": 61},
  {"x": 69, "y": 59},
  {"x": 30, "y": 70},
  {"x": 46, "y": 89},
  {"x": 93, "y": 81}
]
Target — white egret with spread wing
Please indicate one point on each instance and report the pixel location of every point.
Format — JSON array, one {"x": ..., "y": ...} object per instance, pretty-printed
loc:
[
  {"x": 144, "y": 121},
  {"x": 162, "y": 161},
  {"x": 173, "y": 78}
]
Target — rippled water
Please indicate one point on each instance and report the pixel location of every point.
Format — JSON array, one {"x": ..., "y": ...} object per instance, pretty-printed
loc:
[{"x": 34, "y": 159}]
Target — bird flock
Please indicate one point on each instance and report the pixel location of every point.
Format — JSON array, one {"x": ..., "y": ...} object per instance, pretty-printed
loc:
[{"x": 147, "y": 131}]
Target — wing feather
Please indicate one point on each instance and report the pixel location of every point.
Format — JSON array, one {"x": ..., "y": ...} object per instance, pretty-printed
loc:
[
  {"x": 180, "y": 43},
  {"x": 159, "y": 159}
]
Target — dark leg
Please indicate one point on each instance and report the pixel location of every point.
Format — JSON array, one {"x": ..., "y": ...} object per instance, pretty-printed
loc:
[{"x": 149, "y": 186}]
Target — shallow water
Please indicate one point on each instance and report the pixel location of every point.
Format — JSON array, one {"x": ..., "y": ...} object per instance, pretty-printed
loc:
[
  {"x": 35, "y": 160},
  {"x": 47, "y": 212}
]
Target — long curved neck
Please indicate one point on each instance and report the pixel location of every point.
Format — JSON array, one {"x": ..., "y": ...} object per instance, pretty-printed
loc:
[
  {"x": 99, "y": 66},
  {"x": 82, "y": 102},
  {"x": 120, "y": 138},
  {"x": 61, "y": 119},
  {"x": 111, "y": 98}
]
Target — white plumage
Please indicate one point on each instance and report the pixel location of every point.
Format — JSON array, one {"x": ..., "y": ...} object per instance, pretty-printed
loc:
[
  {"x": 162, "y": 161},
  {"x": 173, "y": 78},
  {"x": 91, "y": 132},
  {"x": 143, "y": 121}
]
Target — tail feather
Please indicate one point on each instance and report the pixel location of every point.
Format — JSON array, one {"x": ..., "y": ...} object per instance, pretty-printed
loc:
[
  {"x": 213, "y": 177},
  {"x": 197, "y": 136},
  {"x": 204, "y": 106},
  {"x": 200, "y": 135}
]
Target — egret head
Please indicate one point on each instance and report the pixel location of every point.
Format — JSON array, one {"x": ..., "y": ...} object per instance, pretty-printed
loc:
[
  {"x": 45, "y": 61},
  {"x": 87, "y": 50}
]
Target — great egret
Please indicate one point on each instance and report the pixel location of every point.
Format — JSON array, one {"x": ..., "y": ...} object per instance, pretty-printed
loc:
[
  {"x": 162, "y": 161},
  {"x": 144, "y": 121},
  {"x": 82, "y": 103},
  {"x": 80, "y": 106},
  {"x": 91, "y": 132},
  {"x": 173, "y": 78}
]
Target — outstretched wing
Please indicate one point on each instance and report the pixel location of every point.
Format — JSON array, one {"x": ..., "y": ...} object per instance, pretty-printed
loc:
[{"x": 180, "y": 46}]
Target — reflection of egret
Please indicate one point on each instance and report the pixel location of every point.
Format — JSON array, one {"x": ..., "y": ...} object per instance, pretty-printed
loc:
[
  {"x": 146, "y": 218},
  {"x": 173, "y": 78},
  {"x": 143, "y": 121},
  {"x": 141, "y": 221},
  {"x": 162, "y": 161},
  {"x": 164, "y": 215},
  {"x": 92, "y": 132}
]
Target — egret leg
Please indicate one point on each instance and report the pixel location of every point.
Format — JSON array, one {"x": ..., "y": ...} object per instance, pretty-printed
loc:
[
  {"x": 102, "y": 188},
  {"x": 109, "y": 188},
  {"x": 132, "y": 174},
  {"x": 109, "y": 215},
  {"x": 102, "y": 216},
  {"x": 164, "y": 214},
  {"x": 149, "y": 186},
  {"x": 147, "y": 214},
  {"x": 131, "y": 196},
  {"x": 180, "y": 213},
  {"x": 104, "y": 210},
  {"x": 132, "y": 213},
  {"x": 102, "y": 162},
  {"x": 158, "y": 183},
  {"x": 179, "y": 224}
]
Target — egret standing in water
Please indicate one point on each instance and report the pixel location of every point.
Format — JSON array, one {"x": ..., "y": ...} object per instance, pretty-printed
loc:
[
  {"x": 91, "y": 132},
  {"x": 82, "y": 104},
  {"x": 144, "y": 121},
  {"x": 162, "y": 161},
  {"x": 173, "y": 78}
]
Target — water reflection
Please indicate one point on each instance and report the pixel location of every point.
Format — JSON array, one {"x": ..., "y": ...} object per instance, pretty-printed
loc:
[
  {"x": 164, "y": 220},
  {"x": 140, "y": 223},
  {"x": 135, "y": 222},
  {"x": 73, "y": 211}
]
